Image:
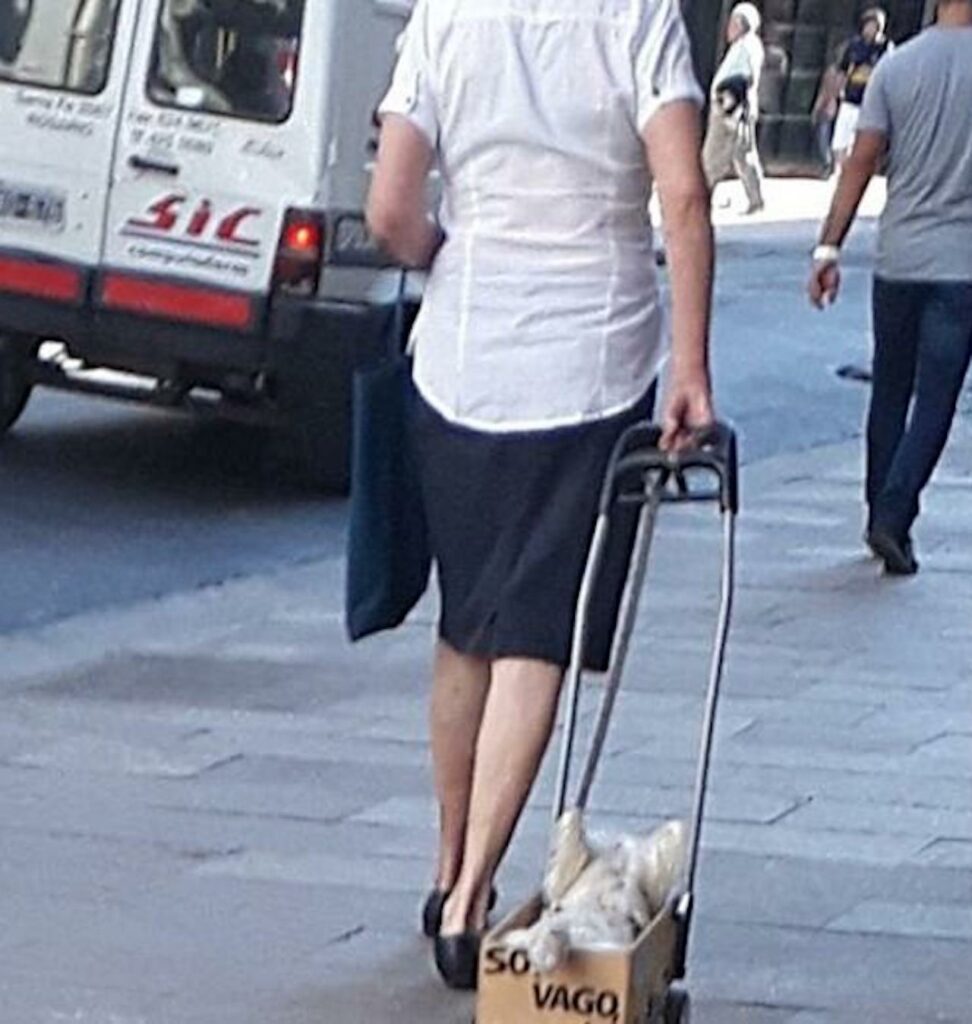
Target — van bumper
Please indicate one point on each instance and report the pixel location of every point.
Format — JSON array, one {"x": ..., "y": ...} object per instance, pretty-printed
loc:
[
  {"x": 301, "y": 352},
  {"x": 315, "y": 348},
  {"x": 336, "y": 337},
  {"x": 307, "y": 343}
]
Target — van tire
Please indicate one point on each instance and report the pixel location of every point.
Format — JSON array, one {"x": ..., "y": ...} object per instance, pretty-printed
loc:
[{"x": 15, "y": 385}]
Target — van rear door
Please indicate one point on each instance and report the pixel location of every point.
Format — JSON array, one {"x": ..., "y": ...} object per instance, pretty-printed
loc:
[
  {"x": 62, "y": 72},
  {"x": 222, "y": 132}
]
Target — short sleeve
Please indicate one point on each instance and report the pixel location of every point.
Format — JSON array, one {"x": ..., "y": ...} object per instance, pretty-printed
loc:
[
  {"x": 876, "y": 110},
  {"x": 664, "y": 72},
  {"x": 411, "y": 94}
]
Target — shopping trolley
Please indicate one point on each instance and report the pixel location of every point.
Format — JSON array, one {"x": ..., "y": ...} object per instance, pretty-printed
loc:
[{"x": 642, "y": 984}]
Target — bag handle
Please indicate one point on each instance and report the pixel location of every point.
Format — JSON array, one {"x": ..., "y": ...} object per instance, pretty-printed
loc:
[{"x": 398, "y": 320}]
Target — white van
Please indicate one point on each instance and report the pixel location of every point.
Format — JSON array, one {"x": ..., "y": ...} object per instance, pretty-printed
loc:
[{"x": 181, "y": 186}]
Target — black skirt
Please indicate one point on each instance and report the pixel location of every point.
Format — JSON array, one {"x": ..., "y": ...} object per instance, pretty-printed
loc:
[{"x": 511, "y": 518}]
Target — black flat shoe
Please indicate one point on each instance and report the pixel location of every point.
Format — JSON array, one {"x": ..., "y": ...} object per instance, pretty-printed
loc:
[
  {"x": 898, "y": 555},
  {"x": 435, "y": 904},
  {"x": 457, "y": 960}
]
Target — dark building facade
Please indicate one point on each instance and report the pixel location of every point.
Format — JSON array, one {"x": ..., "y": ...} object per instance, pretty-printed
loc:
[{"x": 800, "y": 36}]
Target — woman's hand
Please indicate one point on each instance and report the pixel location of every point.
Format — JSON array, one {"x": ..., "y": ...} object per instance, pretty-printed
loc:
[{"x": 688, "y": 409}]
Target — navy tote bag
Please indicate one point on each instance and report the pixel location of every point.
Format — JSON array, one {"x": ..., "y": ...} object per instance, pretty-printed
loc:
[{"x": 389, "y": 559}]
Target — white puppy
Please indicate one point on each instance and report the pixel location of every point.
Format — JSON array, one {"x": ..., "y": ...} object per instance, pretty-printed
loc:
[{"x": 600, "y": 896}]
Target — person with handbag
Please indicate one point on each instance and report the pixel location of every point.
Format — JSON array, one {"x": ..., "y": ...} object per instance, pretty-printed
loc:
[
  {"x": 731, "y": 145},
  {"x": 539, "y": 341}
]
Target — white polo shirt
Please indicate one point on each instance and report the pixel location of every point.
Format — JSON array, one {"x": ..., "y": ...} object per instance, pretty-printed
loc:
[{"x": 542, "y": 308}]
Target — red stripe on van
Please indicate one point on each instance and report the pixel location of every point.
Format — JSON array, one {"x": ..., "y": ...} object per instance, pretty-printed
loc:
[
  {"x": 177, "y": 302},
  {"x": 43, "y": 280}
]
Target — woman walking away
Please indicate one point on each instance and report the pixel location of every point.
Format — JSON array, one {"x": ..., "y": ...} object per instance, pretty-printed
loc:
[{"x": 538, "y": 343}]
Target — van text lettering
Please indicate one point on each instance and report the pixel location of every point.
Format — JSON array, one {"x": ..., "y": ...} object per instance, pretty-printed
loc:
[{"x": 173, "y": 214}]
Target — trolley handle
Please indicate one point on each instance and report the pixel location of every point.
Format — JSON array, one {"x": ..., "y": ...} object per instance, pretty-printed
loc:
[{"x": 714, "y": 450}]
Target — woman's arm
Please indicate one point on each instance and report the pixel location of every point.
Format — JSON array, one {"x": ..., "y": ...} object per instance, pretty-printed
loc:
[
  {"x": 397, "y": 214},
  {"x": 673, "y": 145}
]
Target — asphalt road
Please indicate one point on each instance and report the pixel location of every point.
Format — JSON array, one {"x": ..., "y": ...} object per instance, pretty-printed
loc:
[{"x": 103, "y": 504}]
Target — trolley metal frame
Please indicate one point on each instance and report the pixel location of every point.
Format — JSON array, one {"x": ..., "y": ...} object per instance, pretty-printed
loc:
[{"x": 642, "y": 475}]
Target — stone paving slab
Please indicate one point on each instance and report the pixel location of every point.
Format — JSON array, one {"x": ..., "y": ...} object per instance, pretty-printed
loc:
[
  {"x": 916, "y": 821},
  {"x": 886, "y": 1015},
  {"x": 954, "y": 853},
  {"x": 752, "y": 887},
  {"x": 806, "y": 968},
  {"x": 85, "y": 753},
  {"x": 938, "y": 921}
]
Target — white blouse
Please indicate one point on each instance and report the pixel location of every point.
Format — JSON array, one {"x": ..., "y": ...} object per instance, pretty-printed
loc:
[{"x": 542, "y": 307}]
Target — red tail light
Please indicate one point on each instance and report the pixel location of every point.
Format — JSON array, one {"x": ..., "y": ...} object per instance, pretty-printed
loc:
[
  {"x": 287, "y": 62},
  {"x": 300, "y": 252}
]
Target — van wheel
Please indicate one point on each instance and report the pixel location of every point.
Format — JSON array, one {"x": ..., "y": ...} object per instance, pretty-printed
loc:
[{"x": 15, "y": 386}]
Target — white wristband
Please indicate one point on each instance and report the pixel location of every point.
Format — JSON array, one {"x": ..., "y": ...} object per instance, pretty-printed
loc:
[{"x": 826, "y": 254}]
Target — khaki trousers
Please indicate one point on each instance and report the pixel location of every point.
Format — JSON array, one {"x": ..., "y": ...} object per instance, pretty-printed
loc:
[{"x": 730, "y": 149}]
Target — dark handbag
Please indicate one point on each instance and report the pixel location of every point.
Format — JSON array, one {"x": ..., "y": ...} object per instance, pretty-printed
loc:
[
  {"x": 389, "y": 558},
  {"x": 733, "y": 94}
]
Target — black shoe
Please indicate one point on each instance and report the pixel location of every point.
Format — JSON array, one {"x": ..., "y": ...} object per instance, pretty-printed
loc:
[
  {"x": 868, "y": 530},
  {"x": 898, "y": 555},
  {"x": 435, "y": 904},
  {"x": 457, "y": 960}
]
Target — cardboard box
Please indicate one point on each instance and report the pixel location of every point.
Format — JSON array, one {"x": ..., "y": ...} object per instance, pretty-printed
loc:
[{"x": 625, "y": 986}]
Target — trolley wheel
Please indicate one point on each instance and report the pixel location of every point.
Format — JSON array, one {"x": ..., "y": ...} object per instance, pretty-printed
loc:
[{"x": 678, "y": 1006}]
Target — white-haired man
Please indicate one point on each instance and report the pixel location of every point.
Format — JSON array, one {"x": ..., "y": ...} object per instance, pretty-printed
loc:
[
  {"x": 915, "y": 117},
  {"x": 730, "y": 141}
]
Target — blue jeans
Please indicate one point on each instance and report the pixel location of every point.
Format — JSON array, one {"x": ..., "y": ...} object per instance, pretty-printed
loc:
[{"x": 923, "y": 346}]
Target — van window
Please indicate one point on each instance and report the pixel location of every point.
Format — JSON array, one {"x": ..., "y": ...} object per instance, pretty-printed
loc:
[
  {"x": 236, "y": 57},
  {"x": 60, "y": 44}
]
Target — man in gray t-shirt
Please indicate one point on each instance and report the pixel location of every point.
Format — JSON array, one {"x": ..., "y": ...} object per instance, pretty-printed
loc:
[{"x": 917, "y": 117}]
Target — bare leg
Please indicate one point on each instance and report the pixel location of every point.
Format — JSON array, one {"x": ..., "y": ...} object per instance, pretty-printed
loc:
[
  {"x": 520, "y": 714},
  {"x": 460, "y": 688}
]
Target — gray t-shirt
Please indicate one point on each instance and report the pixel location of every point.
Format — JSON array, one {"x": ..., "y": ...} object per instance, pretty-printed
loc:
[{"x": 921, "y": 98}]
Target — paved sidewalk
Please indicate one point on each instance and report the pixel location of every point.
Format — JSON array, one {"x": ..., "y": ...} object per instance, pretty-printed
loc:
[{"x": 213, "y": 811}]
